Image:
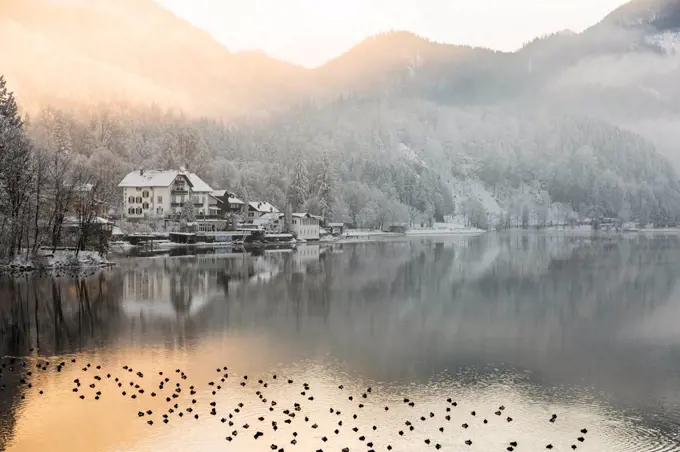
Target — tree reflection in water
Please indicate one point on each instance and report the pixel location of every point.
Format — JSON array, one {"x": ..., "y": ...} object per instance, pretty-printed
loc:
[{"x": 558, "y": 306}]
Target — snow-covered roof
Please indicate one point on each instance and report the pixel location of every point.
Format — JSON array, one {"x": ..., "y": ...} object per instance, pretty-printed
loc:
[
  {"x": 153, "y": 178},
  {"x": 263, "y": 206},
  {"x": 198, "y": 183},
  {"x": 270, "y": 216},
  {"x": 231, "y": 199},
  {"x": 303, "y": 215}
]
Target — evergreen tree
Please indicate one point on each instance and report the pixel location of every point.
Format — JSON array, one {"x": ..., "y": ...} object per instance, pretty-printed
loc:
[
  {"x": 8, "y": 106},
  {"x": 326, "y": 191},
  {"x": 299, "y": 187}
]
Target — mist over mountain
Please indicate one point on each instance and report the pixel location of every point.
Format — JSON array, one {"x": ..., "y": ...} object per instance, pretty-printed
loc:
[{"x": 416, "y": 129}]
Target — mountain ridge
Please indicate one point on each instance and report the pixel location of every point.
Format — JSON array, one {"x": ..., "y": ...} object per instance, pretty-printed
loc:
[{"x": 163, "y": 59}]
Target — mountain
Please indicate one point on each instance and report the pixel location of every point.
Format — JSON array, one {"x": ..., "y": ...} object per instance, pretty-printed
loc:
[
  {"x": 661, "y": 15},
  {"x": 415, "y": 129},
  {"x": 88, "y": 51},
  {"x": 388, "y": 62}
]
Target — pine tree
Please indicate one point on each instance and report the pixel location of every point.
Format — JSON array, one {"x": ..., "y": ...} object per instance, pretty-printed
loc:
[
  {"x": 8, "y": 106},
  {"x": 299, "y": 187},
  {"x": 326, "y": 191},
  {"x": 15, "y": 174}
]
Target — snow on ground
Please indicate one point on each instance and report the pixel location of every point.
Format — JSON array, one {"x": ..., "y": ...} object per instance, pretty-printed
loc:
[
  {"x": 57, "y": 260},
  {"x": 445, "y": 229}
]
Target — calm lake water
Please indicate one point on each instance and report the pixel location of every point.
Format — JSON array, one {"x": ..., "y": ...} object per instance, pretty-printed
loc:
[{"x": 585, "y": 328}]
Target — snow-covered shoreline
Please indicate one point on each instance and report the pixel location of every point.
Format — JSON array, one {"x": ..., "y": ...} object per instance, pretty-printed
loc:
[
  {"x": 60, "y": 259},
  {"x": 364, "y": 236}
]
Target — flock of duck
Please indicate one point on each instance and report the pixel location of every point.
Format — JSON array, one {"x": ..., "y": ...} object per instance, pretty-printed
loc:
[{"x": 181, "y": 402}]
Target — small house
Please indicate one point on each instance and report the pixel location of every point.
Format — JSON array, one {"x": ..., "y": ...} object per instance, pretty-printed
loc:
[
  {"x": 305, "y": 226},
  {"x": 223, "y": 202},
  {"x": 336, "y": 228},
  {"x": 258, "y": 208}
]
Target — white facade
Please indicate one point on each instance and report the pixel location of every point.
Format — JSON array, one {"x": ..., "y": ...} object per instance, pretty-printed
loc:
[
  {"x": 258, "y": 208},
  {"x": 305, "y": 226},
  {"x": 158, "y": 194},
  {"x": 270, "y": 221}
]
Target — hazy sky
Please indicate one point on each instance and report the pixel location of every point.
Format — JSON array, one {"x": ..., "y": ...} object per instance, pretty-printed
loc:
[{"x": 310, "y": 32}]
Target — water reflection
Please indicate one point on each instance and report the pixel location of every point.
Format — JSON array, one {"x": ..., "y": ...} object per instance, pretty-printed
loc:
[{"x": 545, "y": 323}]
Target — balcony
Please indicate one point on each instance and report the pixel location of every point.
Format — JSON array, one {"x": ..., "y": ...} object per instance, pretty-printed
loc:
[
  {"x": 176, "y": 204},
  {"x": 179, "y": 191}
]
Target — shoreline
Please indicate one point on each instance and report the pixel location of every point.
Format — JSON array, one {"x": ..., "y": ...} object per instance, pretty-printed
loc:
[{"x": 65, "y": 260}]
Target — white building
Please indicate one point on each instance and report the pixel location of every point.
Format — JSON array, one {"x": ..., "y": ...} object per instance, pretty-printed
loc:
[
  {"x": 306, "y": 226},
  {"x": 258, "y": 208},
  {"x": 159, "y": 194},
  {"x": 303, "y": 225},
  {"x": 272, "y": 221}
]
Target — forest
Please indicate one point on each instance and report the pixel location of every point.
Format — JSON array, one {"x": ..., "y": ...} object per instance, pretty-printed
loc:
[{"x": 370, "y": 161}]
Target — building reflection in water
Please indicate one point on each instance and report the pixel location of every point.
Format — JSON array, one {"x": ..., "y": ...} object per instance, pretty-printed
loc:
[{"x": 568, "y": 310}]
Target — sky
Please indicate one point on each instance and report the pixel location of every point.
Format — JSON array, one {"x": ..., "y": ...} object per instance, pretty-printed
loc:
[{"x": 310, "y": 32}]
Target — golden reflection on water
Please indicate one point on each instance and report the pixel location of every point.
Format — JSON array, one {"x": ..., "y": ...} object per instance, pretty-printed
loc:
[
  {"x": 580, "y": 319},
  {"x": 59, "y": 421}
]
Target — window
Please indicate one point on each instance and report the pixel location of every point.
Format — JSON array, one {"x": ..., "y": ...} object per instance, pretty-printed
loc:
[
  {"x": 131, "y": 200},
  {"x": 160, "y": 200},
  {"x": 138, "y": 189},
  {"x": 145, "y": 194},
  {"x": 131, "y": 211},
  {"x": 159, "y": 211},
  {"x": 139, "y": 200},
  {"x": 139, "y": 211},
  {"x": 145, "y": 206}
]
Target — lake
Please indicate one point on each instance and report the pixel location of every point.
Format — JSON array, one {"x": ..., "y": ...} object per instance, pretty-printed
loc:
[{"x": 525, "y": 325}]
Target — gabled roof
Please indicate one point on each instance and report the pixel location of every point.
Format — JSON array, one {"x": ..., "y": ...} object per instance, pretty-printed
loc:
[
  {"x": 270, "y": 216},
  {"x": 231, "y": 199},
  {"x": 148, "y": 179},
  {"x": 305, "y": 215},
  {"x": 153, "y": 178},
  {"x": 198, "y": 183},
  {"x": 263, "y": 206}
]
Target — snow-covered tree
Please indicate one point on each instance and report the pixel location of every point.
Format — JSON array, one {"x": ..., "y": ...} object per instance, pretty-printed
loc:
[
  {"x": 326, "y": 190},
  {"x": 299, "y": 186}
]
